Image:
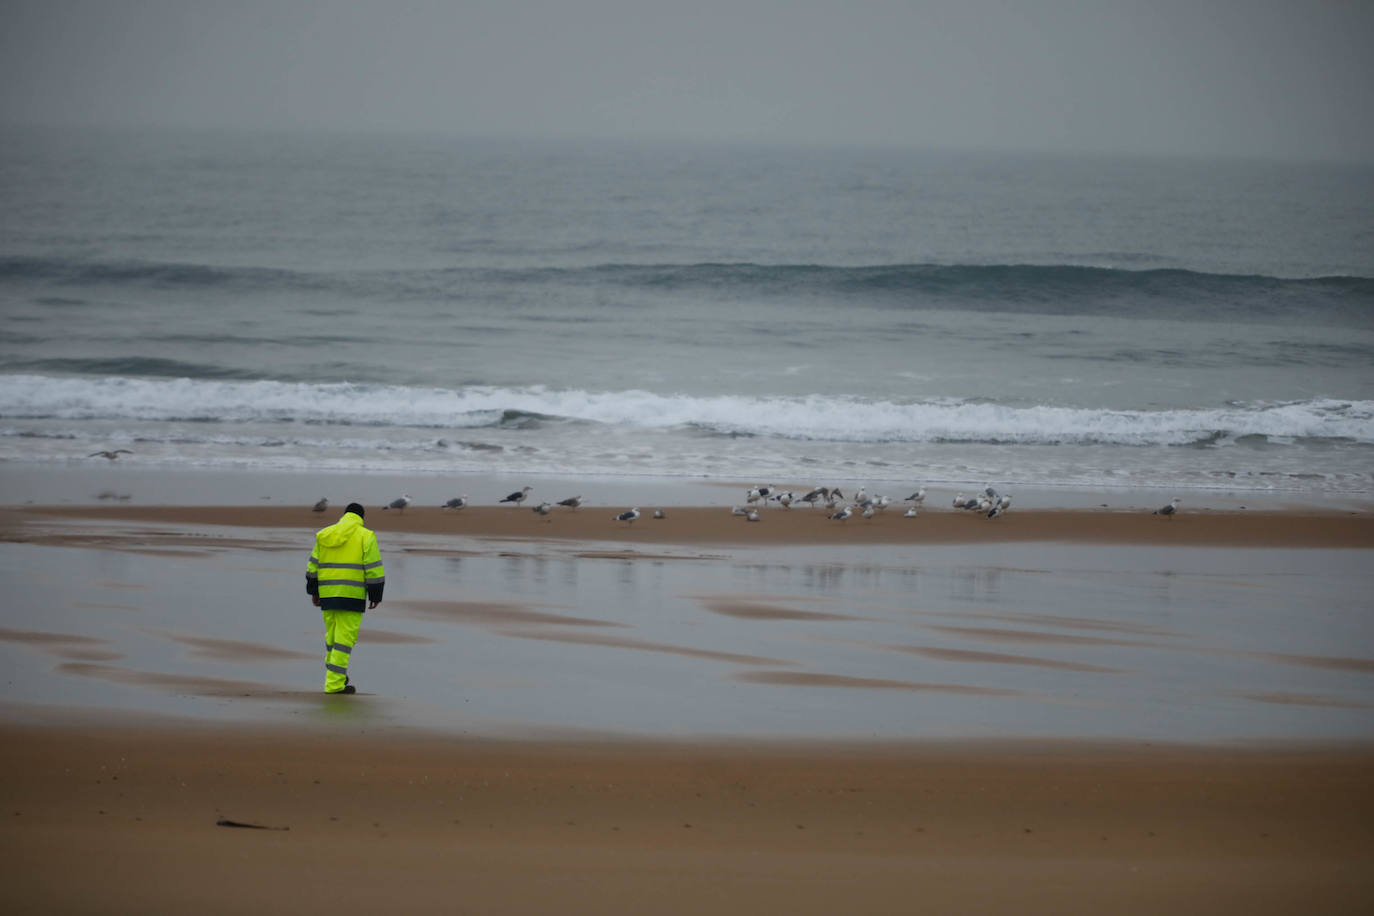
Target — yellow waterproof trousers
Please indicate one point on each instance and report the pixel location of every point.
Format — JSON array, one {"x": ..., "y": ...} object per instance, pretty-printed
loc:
[{"x": 340, "y": 636}]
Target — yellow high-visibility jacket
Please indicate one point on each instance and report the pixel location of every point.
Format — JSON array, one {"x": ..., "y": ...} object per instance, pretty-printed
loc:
[{"x": 345, "y": 569}]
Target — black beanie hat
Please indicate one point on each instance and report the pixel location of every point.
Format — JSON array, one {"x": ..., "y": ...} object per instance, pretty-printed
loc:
[{"x": 356, "y": 510}]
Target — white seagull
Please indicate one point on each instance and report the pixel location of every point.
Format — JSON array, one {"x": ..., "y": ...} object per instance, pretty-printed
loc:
[
  {"x": 628, "y": 516},
  {"x": 843, "y": 514},
  {"x": 456, "y": 502},
  {"x": 760, "y": 493},
  {"x": 399, "y": 502},
  {"x": 542, "y": 509},
  {"x": 518, "y": 496},
  {"x": 918, "y": 497},
  {"x": 1168, "y": 510},
  {"x": 572, "y": 502},
  {"x": 910, "y": 513},
  {"x": 658, "y": 513},
  {"x": 738, "y": 510},
  {"x": 868, "y": 511},
  {"x": 321, "y": 505},
  {"x": 753, "y": 516}
]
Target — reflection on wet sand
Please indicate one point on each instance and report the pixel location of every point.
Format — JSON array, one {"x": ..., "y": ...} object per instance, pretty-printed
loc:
[
  {"x": 621, "y": 642},
  {"x": 990, "y": 634},
  {"x": 1305, "y": 699},
  {"x": 1360, "y": 665},
  {"x": 811, "y": 679},
  {"x": 233, "y": 650},
  {"x": 182, "y": 683},
  {"x": 999, "y": 658},
  {"x": 492, "y": 613},
  {"x": 391, "y": 637},
  {"x": 63, "y": 645},
  {"x": 749, "y": 610},
  {"x": 1072, "y": 623}
]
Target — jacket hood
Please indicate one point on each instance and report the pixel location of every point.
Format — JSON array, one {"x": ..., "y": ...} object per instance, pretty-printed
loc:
[{"x": 339, "y": 532}]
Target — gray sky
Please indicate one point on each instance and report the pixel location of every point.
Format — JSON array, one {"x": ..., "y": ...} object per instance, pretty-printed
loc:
[{"x": 1248, "y": 77}]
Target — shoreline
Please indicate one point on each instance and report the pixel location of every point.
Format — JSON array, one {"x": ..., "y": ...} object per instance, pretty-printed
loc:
[
  {"x": 96, "y": 480},
  {"x": 704, "y": 525}
]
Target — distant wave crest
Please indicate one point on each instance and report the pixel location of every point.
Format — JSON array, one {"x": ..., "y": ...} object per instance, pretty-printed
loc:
[
  {"x": 1029, "y": 288},
  {"x": 816, "y": 417}
]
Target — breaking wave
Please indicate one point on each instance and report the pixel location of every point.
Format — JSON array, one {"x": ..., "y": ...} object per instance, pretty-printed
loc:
[{"x": 803, "y": 418}]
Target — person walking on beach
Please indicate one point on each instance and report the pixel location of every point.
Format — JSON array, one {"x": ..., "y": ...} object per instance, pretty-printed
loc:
[{"x": 344, "y": 577}]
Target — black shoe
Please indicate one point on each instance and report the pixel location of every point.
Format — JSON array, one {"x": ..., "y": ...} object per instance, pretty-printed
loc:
[{"x": 349, "y": 688}]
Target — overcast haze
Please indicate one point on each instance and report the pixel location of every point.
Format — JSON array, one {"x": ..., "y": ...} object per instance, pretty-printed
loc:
[{"x": 1270, "y": 79}]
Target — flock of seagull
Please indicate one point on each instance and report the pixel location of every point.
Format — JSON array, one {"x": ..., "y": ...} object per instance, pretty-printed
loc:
[
  {"x": 863, "y": 504},
  {"x": 989, "y": 503}
]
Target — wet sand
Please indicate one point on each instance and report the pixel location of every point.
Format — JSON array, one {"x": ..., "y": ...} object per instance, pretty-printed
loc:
[
  {"x": 567, "y": 714},
  {"x": 128, "y": 819}
]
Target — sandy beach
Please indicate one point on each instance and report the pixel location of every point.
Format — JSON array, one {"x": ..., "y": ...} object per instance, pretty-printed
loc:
[
  {"x": 1064, "y": 710},
  {"x": 715, "y": 524},
  {"x": 410, "y": 823}
]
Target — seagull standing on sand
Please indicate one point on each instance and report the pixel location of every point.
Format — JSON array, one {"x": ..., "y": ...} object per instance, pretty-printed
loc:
[
  {"x": 628, "y": 517},
  {"x": 321, "y": 505},
  {"x": 919, "y": 497},
  {"x": 843, "y": 514},
  {"x": 753, "y": 516},
  {"x": 399, "y": 502},
  {"x": 1168, "y": 510},
  {"x": 868, "y": 511},
  {"x": 456, "y": 502},
  {"x": 815, "y": 494},
  {"x": 658, "y": 513},
  {"x": 910, "y": 513},
  {"x": 110, "y": 454},
  {"x": 543, "y": 509},
  {"x": 572, "y": 502},
  {"x": 518, "y": 496}
]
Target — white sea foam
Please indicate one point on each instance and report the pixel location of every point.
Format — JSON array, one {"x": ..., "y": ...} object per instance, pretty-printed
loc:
[{"x": 808, "y": 418}]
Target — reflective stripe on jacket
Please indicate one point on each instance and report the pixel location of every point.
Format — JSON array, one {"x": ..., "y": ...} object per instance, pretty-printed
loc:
[{"x": 345, "y": 569}]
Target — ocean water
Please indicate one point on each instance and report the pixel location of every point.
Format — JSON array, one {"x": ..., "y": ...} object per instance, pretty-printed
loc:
[{"x": 404, "y": 304}]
